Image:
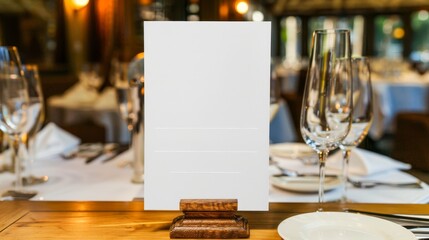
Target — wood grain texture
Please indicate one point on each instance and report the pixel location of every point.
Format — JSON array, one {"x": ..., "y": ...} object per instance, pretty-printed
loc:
[
  {"x": 199, "y": 205},
  {"x": 11, "y": 213},
  {"x": 128, "y": 220},
  {"x": 209, "y": 218}
]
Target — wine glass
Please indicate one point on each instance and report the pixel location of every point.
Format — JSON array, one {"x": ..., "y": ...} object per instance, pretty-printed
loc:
[
  {"x": 274, "y": 92},
  {"x": 35, "y": 121},
  {"x": 362, "y": 114},
  {"x": 3, "y": 166},
  {"x": 129, "y": 109},
  {"x": 327, "y": 104},
  {"x": 124, "y": 95},
  {"x": 14, "y": 106}
]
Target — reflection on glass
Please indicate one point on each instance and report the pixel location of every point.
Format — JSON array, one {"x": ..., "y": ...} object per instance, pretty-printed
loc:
[
  {"x": 362, "y": 114},
  {"x": 14, "y": 107},
  {"x": 327, "y": 103}
]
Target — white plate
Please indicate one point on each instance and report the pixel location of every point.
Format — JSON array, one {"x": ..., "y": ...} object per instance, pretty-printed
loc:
[
  {"x": 341, "y": 226},
  {"x": 306, "y": 184},
  {"x": 291, "y": 150}
]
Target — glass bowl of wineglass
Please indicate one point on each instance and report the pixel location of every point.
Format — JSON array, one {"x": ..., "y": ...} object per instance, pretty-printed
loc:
[
  {"x": 327, "y": 103},
  {"x": 130, "y": 108},
  {"x": 14, "y": 111}
]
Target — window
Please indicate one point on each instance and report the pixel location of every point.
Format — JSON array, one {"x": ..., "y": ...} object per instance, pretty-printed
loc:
[
  {"x": 420, "y": 43},
  {"x": 389, "y": 34},
  {"x": 290, "y": 37},
  {"x": 354, "y": 23}
]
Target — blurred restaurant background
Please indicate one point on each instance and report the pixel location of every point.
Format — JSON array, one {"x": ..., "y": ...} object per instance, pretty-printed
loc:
[{"x": 64, "y": 36}]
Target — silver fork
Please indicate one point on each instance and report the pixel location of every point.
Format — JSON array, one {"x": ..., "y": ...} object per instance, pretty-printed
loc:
[
  {"x": 293, "y": 173},
  {"x": 371, "y": 184}
]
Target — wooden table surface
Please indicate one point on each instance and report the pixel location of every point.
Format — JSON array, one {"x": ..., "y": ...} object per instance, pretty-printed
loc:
[{"x": 127, "y": 220}]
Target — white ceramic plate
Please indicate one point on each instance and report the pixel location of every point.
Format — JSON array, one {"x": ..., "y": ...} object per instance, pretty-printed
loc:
[
  {"x": 291, "y": 150},
  {"x": 341, "y": 226},
  {"x": 306, "y": 184}
]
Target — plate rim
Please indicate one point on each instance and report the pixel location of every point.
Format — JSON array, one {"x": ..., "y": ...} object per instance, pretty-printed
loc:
[
  {"x": 277, "y": 149},
  {"x": 336, "y": 214},
  {"x": 303, "y": 190}
]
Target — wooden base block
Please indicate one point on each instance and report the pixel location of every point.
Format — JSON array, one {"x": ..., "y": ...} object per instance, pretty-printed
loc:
[{"x": 212, "y": 218}]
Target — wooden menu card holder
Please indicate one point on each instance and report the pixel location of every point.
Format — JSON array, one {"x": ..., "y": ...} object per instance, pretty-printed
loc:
[{"x": 209, "y": 218}]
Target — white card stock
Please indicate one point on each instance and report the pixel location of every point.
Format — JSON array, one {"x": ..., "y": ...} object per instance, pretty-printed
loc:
[{"x": 206, "y": 113}]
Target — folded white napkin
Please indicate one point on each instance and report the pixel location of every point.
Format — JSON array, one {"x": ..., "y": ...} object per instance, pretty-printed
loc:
[
  {"x": 107, "y": 100},
  {"x": 363, "y": 162},
  {"x": 77, "y": 95},
  {"x": 52, "y": 140}
]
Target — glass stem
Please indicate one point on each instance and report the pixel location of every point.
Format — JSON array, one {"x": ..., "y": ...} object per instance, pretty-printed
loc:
[
  {"x": 345, "y": 174},
  {"x": 137, "y": 162},
  {"x": 31, "y": 155},
  {"x": 322, "y": 162},
  {"x": 16, "y": 161}
]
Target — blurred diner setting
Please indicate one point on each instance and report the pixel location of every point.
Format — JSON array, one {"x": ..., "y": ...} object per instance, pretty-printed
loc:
[{"x": 83, "y": 139}]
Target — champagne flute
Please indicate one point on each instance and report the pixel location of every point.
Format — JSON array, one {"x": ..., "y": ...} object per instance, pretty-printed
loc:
[
  {"x": 362, "y": 114},
  {"x": 327, "y": 104},
  {"x": 35, "y": 121},
  {"x": 14, "y": 105}
]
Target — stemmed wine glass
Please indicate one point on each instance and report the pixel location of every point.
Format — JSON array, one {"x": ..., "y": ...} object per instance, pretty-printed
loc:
[
  {"x": 129, "y": 109},
  {"x": 35, "y": 121},
  {"x": 3, "y": 166},
  {"x": 14, "y": 107},
  {"x": 362, "y": 114},
  {"x": 327, "y": 104}
]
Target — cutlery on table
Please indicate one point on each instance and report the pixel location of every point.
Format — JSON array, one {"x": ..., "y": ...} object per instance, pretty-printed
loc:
[
  {"x": 371, "y": 184},
  {"x": 417, "y": 224},
  {"x": 118, "y": 151},
  {"x": 85, "y": 150},
  {"x": 418, "y": 229},
  {"x": 92, "y": 158},
  {"x": 407, "y": 220},
  {"x": 18, "y": 195},
  {"x": 292, "y": 173},
  {"x": 108, "y": 148}
]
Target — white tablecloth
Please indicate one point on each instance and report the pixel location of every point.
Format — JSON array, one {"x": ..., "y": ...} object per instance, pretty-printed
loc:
[
  {"x": 408, "y": 93},
  {"x": 364, "y": 166},
  {"x": 73, "y": 180}
]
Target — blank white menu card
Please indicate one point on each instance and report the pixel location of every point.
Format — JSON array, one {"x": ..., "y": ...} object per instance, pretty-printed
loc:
[{"x": 206, "y": 113}]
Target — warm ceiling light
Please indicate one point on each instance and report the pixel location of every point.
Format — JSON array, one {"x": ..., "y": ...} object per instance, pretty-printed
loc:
[
  {"x": 78, "y": 4},
  {"x": 223, "y": 11},
  {"x": 423, "y": 15},
  {"x": 145, "y": 2},
  {"x": 242, "y": 7},
  {"x": 398, "y": 33},
  {"x": 257, "y": 16}
]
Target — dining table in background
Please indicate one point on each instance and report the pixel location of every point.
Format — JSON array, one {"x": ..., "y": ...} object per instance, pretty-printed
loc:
[
  {"x": 128, "y": 220},
  {"x": 406, "y": 92},
  {"x": 73, "y": 179},
  {"x": 79, "y": 105},
  {"x": 76, "y": 179}
]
